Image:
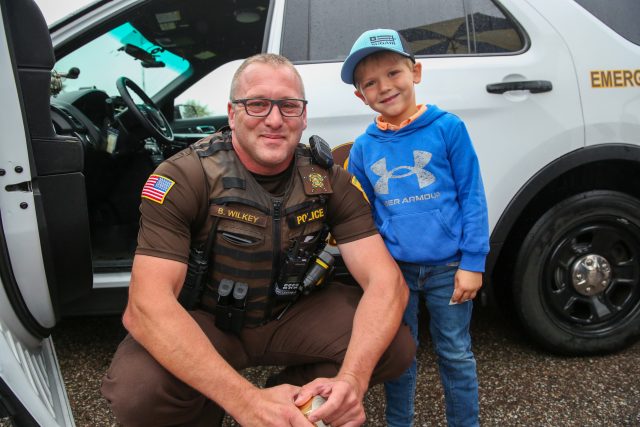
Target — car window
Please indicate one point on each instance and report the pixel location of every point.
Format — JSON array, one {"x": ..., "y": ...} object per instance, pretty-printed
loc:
[
  {"x": 211, "y": 94},
  {"x": 620, "y": 15},
  {"x": 324, "y": 30},
  {"x": 123, "y": 51}
]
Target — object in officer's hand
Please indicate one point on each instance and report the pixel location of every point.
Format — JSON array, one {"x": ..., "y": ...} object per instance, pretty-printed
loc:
[{"x": 312, "y": 404}]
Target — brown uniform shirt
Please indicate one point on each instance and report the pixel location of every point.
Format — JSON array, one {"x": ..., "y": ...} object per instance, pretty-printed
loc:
[{"x": 166, "y": 227}]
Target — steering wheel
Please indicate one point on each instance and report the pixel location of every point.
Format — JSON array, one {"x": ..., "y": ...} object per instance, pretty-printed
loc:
[{"x": 148, "y": 114}]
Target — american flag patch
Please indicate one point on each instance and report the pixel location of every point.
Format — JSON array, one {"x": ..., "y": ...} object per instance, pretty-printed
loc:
[{"x": 156, "y": 188}]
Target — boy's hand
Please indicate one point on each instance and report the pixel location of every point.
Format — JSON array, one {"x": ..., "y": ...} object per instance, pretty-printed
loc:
[{"x": 467, "y": 285}]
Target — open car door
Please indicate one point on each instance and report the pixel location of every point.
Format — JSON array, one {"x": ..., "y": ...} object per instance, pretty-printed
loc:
[{"x": 45, "y": 254}]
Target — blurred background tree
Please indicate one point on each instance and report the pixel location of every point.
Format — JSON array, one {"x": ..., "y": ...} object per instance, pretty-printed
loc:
[{"x": 201, "y": 110}]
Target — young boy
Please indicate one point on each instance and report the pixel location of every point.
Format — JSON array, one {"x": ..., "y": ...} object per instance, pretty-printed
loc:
[{"x": 421, "y": 175}]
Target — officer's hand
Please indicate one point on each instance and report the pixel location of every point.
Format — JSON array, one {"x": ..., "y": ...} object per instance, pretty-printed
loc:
[
  {"x": 344, "y": 400},
  {"x": 467, "y": 285},
  {"x": 273, "y": 407}
]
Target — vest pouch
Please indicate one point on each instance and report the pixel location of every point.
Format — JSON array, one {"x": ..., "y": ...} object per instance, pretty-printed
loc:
[
  {"x": 240, "y": 292},
  {"x": 231, "y": 306},
  {"x": 312, "y": 240},
  {"x": 223, "y": 307},
  {"x": 239, "y": 234}
]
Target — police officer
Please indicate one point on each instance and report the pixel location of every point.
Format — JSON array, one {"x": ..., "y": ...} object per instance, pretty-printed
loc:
[{"x": 257, "y": 203}]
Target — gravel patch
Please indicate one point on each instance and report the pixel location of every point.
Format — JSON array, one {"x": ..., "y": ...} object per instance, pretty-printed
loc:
[{"x": 520, "y": 385}]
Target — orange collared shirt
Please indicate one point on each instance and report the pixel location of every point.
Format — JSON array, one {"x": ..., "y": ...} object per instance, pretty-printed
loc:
[{"x": 382, "y": 125}]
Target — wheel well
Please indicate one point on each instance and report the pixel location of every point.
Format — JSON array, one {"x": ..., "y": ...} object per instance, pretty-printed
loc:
[{"x": 618, "y": 175}]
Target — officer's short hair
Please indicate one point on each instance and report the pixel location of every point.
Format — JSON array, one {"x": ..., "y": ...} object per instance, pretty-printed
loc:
[{"x": 263, "y": 58}]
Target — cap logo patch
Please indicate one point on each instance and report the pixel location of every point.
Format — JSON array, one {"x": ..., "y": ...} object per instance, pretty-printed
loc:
[
  {"x": 382, "y": 40},
  {"x": 156, "y": 188}
]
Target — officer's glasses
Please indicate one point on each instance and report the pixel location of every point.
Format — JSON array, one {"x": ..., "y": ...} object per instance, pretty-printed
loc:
[{"x": 261, "y": 107}]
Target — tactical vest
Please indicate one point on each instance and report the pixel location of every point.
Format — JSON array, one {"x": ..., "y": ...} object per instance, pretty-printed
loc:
[{"x": 254, "y": 229}]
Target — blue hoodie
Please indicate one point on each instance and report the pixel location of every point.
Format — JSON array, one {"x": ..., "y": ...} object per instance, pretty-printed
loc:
[{"x": 424, "y": 185}]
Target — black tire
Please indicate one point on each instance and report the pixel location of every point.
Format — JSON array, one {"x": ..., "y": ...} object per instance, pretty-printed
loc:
[{"x": 570, "y": 310}]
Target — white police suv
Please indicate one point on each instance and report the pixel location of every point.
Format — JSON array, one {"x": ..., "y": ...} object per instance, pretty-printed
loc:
[{"x": 549, "y": 89}]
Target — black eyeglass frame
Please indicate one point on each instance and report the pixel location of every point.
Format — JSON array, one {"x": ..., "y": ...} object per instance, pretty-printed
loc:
[{"x": 272, "y": 102}]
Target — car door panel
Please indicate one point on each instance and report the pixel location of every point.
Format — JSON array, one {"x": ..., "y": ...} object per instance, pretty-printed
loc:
[
  {"x": 607, "y": 71},
  {"x": 18, "y": 210},
  {"x": 34, "y": 184},
  {"x": 49, "y": 170}
]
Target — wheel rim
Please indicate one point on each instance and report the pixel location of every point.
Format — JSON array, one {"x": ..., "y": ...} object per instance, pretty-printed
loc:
[{"x": 591, "y": 277}]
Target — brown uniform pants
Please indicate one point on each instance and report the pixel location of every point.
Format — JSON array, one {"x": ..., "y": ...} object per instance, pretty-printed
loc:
[{"x": 311, "y": 340}]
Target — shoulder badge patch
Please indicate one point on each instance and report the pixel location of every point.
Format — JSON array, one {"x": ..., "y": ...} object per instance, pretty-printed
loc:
[
  {"x": 316, "y": 180},
  {"x": 156, "y": 188}
]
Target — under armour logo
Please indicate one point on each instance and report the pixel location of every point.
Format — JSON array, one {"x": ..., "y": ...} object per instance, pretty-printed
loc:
[{"x": 420, "y": 160}]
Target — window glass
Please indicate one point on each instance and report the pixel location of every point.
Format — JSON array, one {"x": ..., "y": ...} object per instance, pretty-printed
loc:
[
  {"x": 492, "y": 31},
  {"x": 211, "y": 94},
  {"x": 442, "y": 33},
  {"x": 123, "y": 51},
  {"x": 325, "y": 30},
  {"x": 620, "y": 15},
  {"x": 296, "y": 35}
]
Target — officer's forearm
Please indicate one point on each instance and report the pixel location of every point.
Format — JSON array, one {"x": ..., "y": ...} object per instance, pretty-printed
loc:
[{"x": 372, "y": 333}]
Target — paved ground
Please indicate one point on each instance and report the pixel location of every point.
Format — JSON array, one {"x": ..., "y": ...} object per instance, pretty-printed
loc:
[{"x": 519, "y": 384}]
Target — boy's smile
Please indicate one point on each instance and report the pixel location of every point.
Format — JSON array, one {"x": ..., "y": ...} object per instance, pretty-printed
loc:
[{"x": 386, "y": 83}]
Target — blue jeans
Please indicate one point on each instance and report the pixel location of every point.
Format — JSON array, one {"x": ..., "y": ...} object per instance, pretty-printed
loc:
[{"x": 449, "y": 327}]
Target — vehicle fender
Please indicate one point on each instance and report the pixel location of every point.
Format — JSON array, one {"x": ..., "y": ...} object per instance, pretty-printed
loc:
[{"x": 558, "y": 167}]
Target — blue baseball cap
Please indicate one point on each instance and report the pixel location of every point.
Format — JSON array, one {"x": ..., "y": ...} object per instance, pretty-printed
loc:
[{"x": 373, "y": 41}]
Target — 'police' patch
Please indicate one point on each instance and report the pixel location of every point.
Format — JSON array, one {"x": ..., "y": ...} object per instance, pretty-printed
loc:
[
  {"x": 302, "y": 218},
  {"x": 238, "y": 215},
  {"x": 156, "y": 188}
]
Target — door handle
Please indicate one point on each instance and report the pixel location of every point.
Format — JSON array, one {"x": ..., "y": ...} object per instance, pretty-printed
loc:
[
  {"x": 205, "y": 129},
  {"x": 533, "y": 86}
]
